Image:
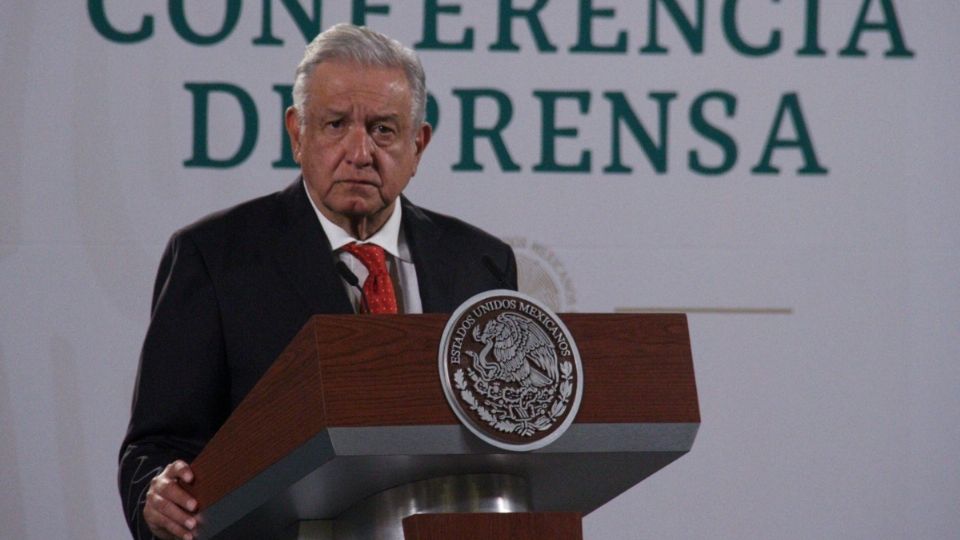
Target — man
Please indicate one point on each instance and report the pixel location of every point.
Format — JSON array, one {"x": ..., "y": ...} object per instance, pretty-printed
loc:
[{"x": 234, "y": 288}]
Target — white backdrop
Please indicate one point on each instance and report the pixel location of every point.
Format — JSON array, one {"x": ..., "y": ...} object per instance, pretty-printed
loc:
[{"x": 824, "y": 308}]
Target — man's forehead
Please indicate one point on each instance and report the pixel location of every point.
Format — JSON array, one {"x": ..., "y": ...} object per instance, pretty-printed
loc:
[
  {"x": 346, "y": 104},
  {"x": 342, "y": 86},
  {"x": 358, "y": 77},
  {"x": 389, "y": 113}
]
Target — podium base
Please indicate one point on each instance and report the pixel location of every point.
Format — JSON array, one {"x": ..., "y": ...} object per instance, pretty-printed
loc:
[
  {"x": 520, "y": 526},
  {"x": 380, "y": 517}
]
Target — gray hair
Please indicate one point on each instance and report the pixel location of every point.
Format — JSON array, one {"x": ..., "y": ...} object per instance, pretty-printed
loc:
[{"x": 365, "y": 47}]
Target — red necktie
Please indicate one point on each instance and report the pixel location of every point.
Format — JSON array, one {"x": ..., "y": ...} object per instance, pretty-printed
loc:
[{"x": 378, "y": 287}]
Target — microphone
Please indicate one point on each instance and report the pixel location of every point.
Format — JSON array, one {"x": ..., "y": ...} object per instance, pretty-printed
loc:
[
  {"x": 353, "y": 281},
  {"x": 495, "y": 271}
]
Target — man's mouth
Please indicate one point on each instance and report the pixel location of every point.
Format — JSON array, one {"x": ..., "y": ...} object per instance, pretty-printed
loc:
[{"x": 359, "y": 182}]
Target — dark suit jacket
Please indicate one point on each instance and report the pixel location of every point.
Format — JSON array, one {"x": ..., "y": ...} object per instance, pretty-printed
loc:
[{"x": 233, "y": 289}]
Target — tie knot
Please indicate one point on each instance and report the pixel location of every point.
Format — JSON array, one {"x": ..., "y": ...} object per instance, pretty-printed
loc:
[
  {"x": 370, "y": 255},
  {"x": 378, "y": 293}
]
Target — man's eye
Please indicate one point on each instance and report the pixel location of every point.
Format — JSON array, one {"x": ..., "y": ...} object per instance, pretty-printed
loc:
[
  {"x": 382, "y": 129},
  {"x": 335, "y": 124}
]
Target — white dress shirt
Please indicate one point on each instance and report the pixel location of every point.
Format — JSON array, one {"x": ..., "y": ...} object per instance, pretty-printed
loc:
[{"x": 399, "y": 262}]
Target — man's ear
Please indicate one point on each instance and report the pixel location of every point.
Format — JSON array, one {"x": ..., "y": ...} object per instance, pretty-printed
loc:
[
  {"x": 292, "y": 122},
  {"x": 423, "y": 138},
  {"x": 421, "y": 141}
]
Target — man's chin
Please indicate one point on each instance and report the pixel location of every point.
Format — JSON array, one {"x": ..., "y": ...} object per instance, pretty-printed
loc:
[{"x": 360, "y": 208}]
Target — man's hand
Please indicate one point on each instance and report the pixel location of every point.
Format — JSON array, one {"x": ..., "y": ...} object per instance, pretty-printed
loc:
[{"x": 169, "y": 509}]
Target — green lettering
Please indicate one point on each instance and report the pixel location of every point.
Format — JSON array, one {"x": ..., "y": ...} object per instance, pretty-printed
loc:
[
  {"x": 698, "y": 121},
  {"x": 469, "y": 132},
  {"x": 98, "y": 17},
  {"x": 585, "y": 31},
  {"x": 550, "y": 132},
  {"x": 308, "y": 26},
  {"x": 732, "y": 33},
  {"x": 433, "y": 112},
  {"x": 692, "y": 34},
  {"x": 790, "y": 105},
  {"x": 622, "y": 112},
  {"x": 890, "y": 24},
  {"x": 431, "y": 36},
  {"x": 811, "y": 43},
  {"x": 286, "y": 160},
  {"x": 360, "y": 10},
  {"x": 201, "y": 107},
  {"x": 505, "y": 26}
]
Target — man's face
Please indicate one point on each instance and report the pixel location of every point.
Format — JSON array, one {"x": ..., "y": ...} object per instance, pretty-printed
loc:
[{"x": 357, "y": 147}]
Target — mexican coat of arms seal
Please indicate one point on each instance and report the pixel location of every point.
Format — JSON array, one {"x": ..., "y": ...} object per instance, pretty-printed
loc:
[{"x": 510, "y": 370}]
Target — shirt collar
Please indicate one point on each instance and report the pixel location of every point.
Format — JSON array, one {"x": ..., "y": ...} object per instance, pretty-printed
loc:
[{"x": 388, "y": 237}]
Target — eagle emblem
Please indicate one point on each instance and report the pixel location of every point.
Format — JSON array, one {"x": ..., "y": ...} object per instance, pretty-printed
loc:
[
  {"x": 511, "y": 370},
  {"x": 522, "y": 352}
]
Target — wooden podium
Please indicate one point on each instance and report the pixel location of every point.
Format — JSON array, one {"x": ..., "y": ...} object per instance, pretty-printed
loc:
[{"x": 352, "y": 414}]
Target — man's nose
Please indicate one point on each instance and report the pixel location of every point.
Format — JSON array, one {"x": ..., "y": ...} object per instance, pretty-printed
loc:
[{"x": 359, "y": 147}]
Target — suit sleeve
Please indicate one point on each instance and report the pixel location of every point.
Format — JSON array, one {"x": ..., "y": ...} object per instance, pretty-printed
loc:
[
  {"x": 511, "y": 273},
  {"x": 181, "y": 396}
]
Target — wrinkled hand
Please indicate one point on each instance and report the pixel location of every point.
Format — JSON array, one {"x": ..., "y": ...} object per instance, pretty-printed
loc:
[{"x": 169, "y": 510}]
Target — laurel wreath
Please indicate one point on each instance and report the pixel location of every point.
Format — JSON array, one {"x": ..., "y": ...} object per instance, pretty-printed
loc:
[{"x": 524, "y": 428}]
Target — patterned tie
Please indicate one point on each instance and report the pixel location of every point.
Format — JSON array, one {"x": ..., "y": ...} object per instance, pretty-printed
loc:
[{"x": 378, "y": 287}]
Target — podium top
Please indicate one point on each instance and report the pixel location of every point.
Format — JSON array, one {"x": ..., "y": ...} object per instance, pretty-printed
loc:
[{"x": 354, "y": 405}]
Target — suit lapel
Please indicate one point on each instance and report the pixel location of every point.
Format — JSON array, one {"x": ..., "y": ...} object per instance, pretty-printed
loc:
[
  {"x": 305, "y": 259},
  {"x": 433, "y": 274},
  {"x": 304, "y": 256}
]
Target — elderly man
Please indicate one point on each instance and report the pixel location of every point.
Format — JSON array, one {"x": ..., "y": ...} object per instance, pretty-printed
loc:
[{"x": 235, "y": 287}]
